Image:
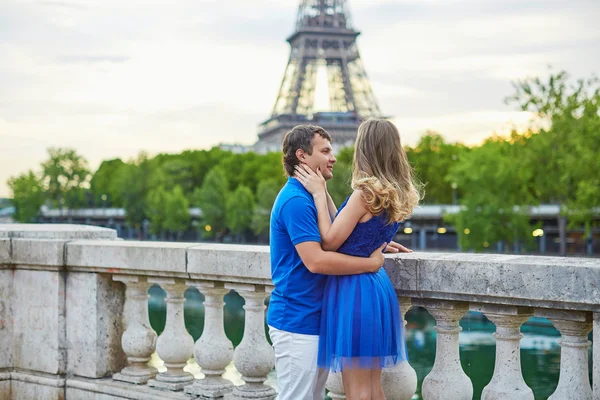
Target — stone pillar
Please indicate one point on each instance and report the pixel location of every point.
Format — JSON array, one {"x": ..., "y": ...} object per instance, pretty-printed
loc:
[
  {"x": 139, "y": 339},
  {"x": 543, "y": 243},
  {"x": 507, "y": 381},
  {"x": 447, "y": 380},
  {"x": 574, "y": 382},
  {"x": 94, "y": 351},
  {"x": 562, "y": 234},
  {"x": 400, "y": 382},
  {"x": 6, "y": 312},
  {"x": 213, "y": 351},
  {"x": 596, "y": 355},
  {"x": 335, "y": 385},
  {"x": 254, "y": 358},
  {"x": 422, "y": 239},
  {"x": 175, "y": 345}
]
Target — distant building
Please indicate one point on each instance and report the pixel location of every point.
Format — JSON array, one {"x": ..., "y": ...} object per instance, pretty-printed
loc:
[
  {"x": 235, "y": 148},
  {"x": 324, "y": 40},
  {"x": 6, "y": 215}
]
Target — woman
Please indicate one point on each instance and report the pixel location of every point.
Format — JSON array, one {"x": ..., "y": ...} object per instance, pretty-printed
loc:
[{"x": 361, "y": 328}]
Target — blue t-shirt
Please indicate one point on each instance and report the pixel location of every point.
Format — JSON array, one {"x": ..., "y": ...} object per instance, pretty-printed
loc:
[{"x": 295, "y": 304}]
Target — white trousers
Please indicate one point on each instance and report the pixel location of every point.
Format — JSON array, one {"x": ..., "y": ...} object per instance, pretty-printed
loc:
[{"x": 298, "y": 376}]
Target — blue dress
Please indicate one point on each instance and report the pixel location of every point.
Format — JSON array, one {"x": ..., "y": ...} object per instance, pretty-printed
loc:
[{"x": 361, "y": 325}]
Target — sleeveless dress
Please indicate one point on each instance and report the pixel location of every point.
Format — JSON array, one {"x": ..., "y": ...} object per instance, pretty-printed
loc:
[{"x": 361, "y": 325}]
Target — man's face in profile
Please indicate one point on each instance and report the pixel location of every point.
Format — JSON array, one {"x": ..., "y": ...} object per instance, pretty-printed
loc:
[{"x": 322, "y": 157}]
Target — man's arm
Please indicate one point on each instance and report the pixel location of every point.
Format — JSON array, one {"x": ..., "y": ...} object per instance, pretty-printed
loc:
[{"x": 323, "y": 262}]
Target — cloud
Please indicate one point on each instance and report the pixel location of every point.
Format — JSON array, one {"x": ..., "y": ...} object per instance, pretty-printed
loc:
[
  {"x": 111, "y": 78},
  {"x": 81, "y": 58},
  {"x": 62, "y": 4},
  {"x": 469, "y": 127}
]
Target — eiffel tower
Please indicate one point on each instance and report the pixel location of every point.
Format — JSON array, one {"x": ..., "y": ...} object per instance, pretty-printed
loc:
[{"x": 324, "y": 39}]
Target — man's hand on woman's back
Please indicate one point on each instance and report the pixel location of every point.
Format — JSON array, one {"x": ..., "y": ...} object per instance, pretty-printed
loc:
[{"x": 378, "y": 257}]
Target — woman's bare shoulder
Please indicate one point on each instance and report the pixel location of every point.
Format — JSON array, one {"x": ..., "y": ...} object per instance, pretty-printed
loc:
[{"x": 356, "y": 200}]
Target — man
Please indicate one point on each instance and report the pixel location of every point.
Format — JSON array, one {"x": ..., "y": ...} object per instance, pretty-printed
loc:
[{"x": 299, "y": 267}]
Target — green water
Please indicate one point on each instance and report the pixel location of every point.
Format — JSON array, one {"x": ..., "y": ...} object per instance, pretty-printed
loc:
[{"x": 540, "y": 354}]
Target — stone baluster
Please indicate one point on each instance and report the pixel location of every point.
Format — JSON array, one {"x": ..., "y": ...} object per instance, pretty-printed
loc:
[
  {"x": 400, "y": 382},
  {"x": 335, "y": 385},
  {"x": 596, "y": 355},
  {"x": 447, "y": 380},
  {"x": 507, "y": 381},
  {"x": 574, "y": 327},
  {"x": 139, "y": 339},
  {"x": 254, "y": 358},
  {"x": 175, "y": 345},
  {"x": 213, "y": 351}
]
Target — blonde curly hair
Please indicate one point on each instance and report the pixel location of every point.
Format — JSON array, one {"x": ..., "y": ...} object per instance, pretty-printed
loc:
[{"x": 382, "y": 171}]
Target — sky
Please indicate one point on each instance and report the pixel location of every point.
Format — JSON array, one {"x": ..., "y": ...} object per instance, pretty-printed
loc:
[{"x": 111, "y": 78}]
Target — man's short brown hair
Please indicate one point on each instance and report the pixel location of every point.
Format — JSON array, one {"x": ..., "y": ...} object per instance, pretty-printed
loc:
[{"x": 300, "y": 137}]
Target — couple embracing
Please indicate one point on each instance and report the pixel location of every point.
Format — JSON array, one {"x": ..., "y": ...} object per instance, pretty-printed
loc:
[{"x": 333, "y": 307}]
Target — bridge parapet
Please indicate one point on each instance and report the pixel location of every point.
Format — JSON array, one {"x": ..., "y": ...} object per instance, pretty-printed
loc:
[{"x": 74, "y": 317}]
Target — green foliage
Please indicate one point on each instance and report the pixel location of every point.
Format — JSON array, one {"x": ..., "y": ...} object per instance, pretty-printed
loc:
[
  {"x": 65, "y": 177},
  {"x": 133, "y": 183},
  {"x": 564, "y": 157},
  {"x": 28, "y": 196},
  {"x": 495, "y": 178},
  {"x": 212, "y": 197},
  {"x": 339, "y": 186},
  {"x": 266, "y": 193},
  {"x": 168, "y": 210},
  {"x": 239, "y": 210},
  {"x": 171, "y": 170},
  {"x": 177, "y": 215},
  {"x": 432, "y": 158},
  {"x": 345, "y": 156},
  {"x": 156, "y": 209},
  {"x": 103, "y": 184}
]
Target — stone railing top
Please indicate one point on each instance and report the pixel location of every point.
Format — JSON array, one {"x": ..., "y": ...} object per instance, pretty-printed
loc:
[
  {"x": 507, "y": 279},
  {"x": 55, "y": 231},
  {"x": 223, "y": 262},
  {"x": 552, "y": 282}
]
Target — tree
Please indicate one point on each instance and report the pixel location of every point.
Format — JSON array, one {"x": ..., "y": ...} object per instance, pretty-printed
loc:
[
  {"x": 346, "y": 155},
  {"x": 211, "y": 197},
  {"x": 172, "y": 170},
  {"x": 65, "y": 177},
  {"x": 156, "y": 209},
  {"x": 432, "y": 158},
  {"x": 177, "y": 215},
  {"x": 239, "y": 210},
  {"x": 266, "y": 193},
  {"x": 565, "y": 156},
  {"x": 496, "y": 183},
  {"x": 103, "y": 185},
  {"x": 28, "y": 196},
  {"x": 339, "y": 186},
  {"x": 133, "y": 184}
]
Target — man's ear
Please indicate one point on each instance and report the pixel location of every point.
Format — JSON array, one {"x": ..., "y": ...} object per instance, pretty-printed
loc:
[{"x": 300, "y": 155}]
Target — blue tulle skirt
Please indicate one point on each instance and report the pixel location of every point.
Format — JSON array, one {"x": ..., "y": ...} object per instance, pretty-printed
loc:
[{"x": 361, "y": 325}]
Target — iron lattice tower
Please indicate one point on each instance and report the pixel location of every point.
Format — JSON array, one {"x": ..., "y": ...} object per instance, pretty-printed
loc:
[{"x": 324, "y": 37}]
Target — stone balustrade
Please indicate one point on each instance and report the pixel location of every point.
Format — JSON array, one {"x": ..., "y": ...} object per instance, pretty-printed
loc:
[{"x": 74, "y": 318}]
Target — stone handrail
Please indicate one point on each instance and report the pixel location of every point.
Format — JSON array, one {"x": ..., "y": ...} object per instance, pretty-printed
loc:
[{"x": 74, "y": 317}]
